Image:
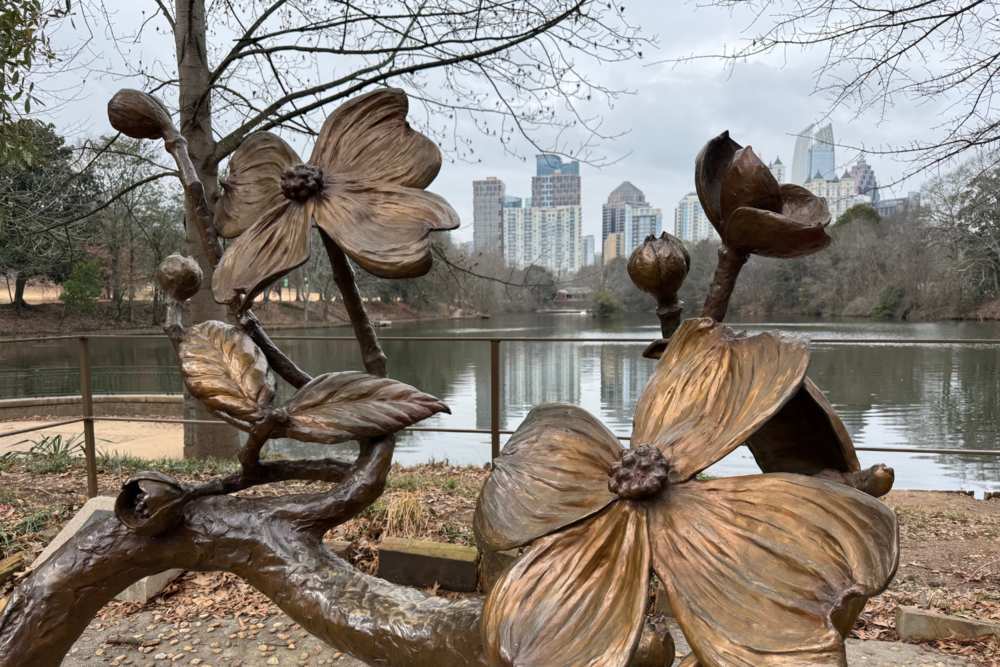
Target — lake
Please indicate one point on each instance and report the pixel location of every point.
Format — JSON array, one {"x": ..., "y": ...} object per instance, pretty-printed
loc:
[{"x": 934, "y": 396}]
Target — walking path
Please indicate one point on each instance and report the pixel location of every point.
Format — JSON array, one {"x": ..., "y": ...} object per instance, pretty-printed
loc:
[{"x": 144, "y": 439}]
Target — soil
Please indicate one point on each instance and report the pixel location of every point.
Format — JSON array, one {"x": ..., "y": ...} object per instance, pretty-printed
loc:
[{"x": 950, "y": 545}]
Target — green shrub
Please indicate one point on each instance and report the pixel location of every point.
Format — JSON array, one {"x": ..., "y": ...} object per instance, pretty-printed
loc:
[
  {"x": 81, "y": 289},
  {"x": 606, "y": 304},
  {"x": 889, "y": 302}
]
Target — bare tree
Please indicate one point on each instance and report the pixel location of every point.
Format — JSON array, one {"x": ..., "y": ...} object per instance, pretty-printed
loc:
[
  {"x": 881, "y": 54},
  {"x": 497, "y": 67}
]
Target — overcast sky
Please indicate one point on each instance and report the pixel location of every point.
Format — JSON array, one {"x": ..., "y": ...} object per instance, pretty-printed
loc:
[{"x": 674, "y": 110}]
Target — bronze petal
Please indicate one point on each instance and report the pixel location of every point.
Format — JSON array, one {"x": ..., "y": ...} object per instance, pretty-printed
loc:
[
  {"x": 385, "y": 228},
  {"x": 754, "y": 230},
  {"x": 575, "y": 598},
  {"x": 551, "y": 473},
  {"x": 757, "y": 567},
  {"x": 806, "y": 437},
  {"x": 709, "y": 168},
  {"x": 370, "y": 138},
  {"x": 254, "y": 182},
  {"x": 276, "y": 244},
  {"x": 748, "y": 182},
  {"x": 226, "y": 371},
  {"x": 712, "y": 389},
  {"x": 338, "y": 407},
  {"x": 803, "y": 206}
]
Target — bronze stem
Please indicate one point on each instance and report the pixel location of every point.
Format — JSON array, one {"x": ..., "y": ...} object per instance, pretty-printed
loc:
[
  {"x": 194, "y": 190},
  {"x": 669, "y": 313},
  {"x": 371, "y": 352},
  {"x": 723, "y": 283}
]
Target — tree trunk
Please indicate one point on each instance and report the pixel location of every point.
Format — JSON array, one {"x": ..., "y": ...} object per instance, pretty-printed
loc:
[
  {"x": 19, "y": 285},
  {"x": 200, "y": 440}
]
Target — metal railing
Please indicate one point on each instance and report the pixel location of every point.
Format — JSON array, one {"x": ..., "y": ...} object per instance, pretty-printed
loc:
[{"x": 88, "y": 418}]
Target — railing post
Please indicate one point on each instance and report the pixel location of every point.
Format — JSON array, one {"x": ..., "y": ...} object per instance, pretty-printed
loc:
[
  {"x": 495, "y": 398},
  {"x": 89, "y": 447}
]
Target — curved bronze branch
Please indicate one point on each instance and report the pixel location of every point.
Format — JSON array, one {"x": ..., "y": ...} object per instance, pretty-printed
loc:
[
  {"x": 721, "y": 289},
  {"x": 343, "y": 275}
]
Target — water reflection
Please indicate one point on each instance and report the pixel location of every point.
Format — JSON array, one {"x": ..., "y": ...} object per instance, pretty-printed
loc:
[{"x": 922, "y": 396}]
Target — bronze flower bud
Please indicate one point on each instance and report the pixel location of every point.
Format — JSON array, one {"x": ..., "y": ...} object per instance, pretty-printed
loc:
[
  {"x": 659, "y": 265},
  {"x": 139, "y": 115},
  {"x": 751, "y": 211},
  {"x": 150, "y": 503},
  {"x": 180, "y": 277}
]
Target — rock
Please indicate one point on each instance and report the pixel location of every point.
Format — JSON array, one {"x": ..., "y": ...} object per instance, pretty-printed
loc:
[
  {"x": 913, "y": 624},
  {"x": 98, "y": 509},
  {"x": 492, "y": 564},
  {"x": 423, "y": 564}
]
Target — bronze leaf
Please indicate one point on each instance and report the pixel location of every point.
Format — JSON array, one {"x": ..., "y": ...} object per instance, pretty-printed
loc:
[
  {"x": 254, "y": 182},
  {"x": 226, "y": 371},
  {"x": 574, "y": 598},
  {"x": 383, "y": 227},
  {"x": 368, "y": 137},
  {"x": 757, "y": 567},
  {"x": 712, "y": 389},
  {"x": 551, "y": 473},
  {"x": 276, "y": 244},
  {"x": 338, "y": 407}
]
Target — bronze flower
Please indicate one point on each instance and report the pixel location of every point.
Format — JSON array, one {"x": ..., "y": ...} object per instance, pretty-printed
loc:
[
  {"x": 762, "y": 570},
  {"x": 364, "y": 185},
  {"x": 751, "y": 211}
]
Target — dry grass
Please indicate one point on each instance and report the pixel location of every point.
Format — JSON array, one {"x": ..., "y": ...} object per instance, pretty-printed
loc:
[{"x": 406, "y": 516}]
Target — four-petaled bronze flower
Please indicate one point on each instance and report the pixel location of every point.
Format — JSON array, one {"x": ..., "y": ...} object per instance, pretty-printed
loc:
[
  {"x": 364, "y": 185},
  {"x": 764, "y": 570}
]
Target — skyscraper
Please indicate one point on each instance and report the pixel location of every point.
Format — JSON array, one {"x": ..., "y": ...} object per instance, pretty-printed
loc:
[
  {"x": 865, "y": 183},
  {"x": 822, "y": 158},
  {"x": 800, "y": 159},
  {"x": 587, "y": 249},
  {"x": 547, "y": 237},
  {"x": 487, "y": 214},
  {"x": 690, "y": 222},
  {"x": 639, "y": 222},
  {"x": 556, "y": 183},
  {"x": 838, "y": 192},
  {"x": 613, "y": 212}
]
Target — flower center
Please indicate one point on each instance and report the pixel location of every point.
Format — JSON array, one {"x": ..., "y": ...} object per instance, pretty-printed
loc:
[
  {"x": 301, "y": 182},
  {"x": 639, "y": 474}
]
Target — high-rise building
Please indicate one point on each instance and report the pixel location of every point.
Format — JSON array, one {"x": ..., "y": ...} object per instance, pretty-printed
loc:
[
  {"x": 839, "y": 192},
  {"x": 639, "y": 222},
  {"x": 865, "y": 183},
  {"x": 587, "y": 248},
  {"x": 887, "y": 207},
  {"x": 547, "y": 237},
  {"x": 777, "y": 170},
  {"x": 613, "y": 247},
  {"x": 556, "y": 183},
  {"x": 510, "y": 201},
  {"x": 613, "y": 212},
  {"x": 487, "y": 214},
  {"x": 822, "y": 158},
  {"x": 800, "y": 159},
  {"x": 690, "y": 222}
]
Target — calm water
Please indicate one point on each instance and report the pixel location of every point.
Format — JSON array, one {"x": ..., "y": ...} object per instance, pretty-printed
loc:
[{"x": 910, "y": 395}]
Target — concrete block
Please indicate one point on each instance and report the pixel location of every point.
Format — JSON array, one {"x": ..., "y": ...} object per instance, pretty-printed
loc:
[
  {"x": 913, "y": 623},
  {"x": 492, "y": 564},
  {"x": 422, "y": 564},
  {"x": 98, "y": 509},
  {"x": 340, "y": 547}
]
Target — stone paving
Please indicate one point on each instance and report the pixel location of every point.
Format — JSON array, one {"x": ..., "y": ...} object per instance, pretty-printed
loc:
[{"x": 278, "y": 641}]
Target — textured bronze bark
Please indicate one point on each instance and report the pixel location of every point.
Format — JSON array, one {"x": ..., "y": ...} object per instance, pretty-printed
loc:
[{"x": 761, "y": 570}]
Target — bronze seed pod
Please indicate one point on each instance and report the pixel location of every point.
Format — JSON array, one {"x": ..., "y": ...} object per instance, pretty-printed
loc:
[
  {"x": 139, "y": 115},
  {"x": 179, "y": 276},
  {"x": 659, "y": 265},
  {"x": 150, "y": 503}
]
